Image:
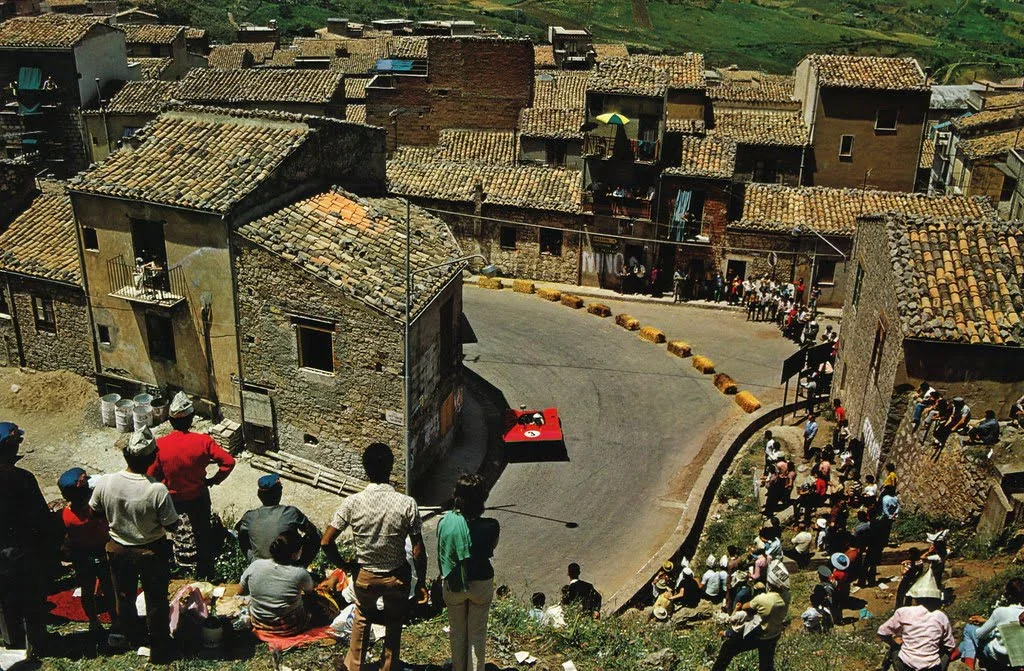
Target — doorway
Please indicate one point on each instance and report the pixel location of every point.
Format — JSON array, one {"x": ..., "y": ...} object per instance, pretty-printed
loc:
[{"x": 736, "y": 268}]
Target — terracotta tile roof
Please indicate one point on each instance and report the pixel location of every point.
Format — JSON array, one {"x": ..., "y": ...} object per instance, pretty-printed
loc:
[
  {"x": 212, "y": 86},
  {"x": 552, "y": 123},
  {"x": 416, "y": 154},
  {"x": 199, "y": 158},
  {"x": 543, "y": 57},
  {"x": 762, "y": 127},
  {"x": 686, "y": 126},
  {"x": 518, "y": 186},
  {"x": 408, "y": 47},
  {"x": 771, "y": 207},
  {"x": 496, "y": 147},
  {"x": 760, "y": 89},
  {"x": 41, "y": 240},
  {"x": 49, "y": 31},
  {"x": 606, "y": 50},
  {"x": 195, "y": 33},
  {"x": 356, "y": 64},
  {"x": 230, "y": 56},
  {"x": 927, "y": 154},
  {"x": 959, "y": 280},
  {"x": 567, "y": 90},
  {"x": 991, "y": 146},
  {"x": 65, "y": 3},
  {"x": 152, "y": 68},
  {"x": 358, "y": 245},
  {"x": 151, "y": 34},
  {"x": 261, "y": 51},
  {"x": 282, "y": 58},
  {"x": 710, "y": 157},
  {"x": 645, "y": 75},
  {"x": 355, "y": 88},
  {"x": 990, "y": 119},
  {"x": 142, "y": 97},
  {"x": 868, "y": 72},
  {"x": 355, "y": 113},
  {"x": 685, "y": 71}
]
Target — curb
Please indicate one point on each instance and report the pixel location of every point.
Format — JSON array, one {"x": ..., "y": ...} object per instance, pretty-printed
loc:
[{"x": 687, "y": 535}]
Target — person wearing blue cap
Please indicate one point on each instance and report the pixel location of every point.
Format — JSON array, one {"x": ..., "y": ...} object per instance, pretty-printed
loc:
[
  {"x": 26, "y": 535},
  {"x": 259, "y": 527},
  {"x": 86, "y": 535}
]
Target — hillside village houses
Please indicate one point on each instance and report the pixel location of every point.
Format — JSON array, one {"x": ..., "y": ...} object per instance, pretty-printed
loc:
[{"x": 555, "y": 162}]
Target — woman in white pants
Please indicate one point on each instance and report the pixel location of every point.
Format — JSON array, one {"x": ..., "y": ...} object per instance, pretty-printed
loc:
[{"x": 466, "y": 542}]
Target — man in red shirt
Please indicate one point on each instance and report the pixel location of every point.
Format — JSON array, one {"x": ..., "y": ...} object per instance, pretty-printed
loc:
[{"x": 181, "y": 462}]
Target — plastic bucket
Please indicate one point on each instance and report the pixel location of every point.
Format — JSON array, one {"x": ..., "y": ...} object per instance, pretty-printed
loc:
[
  {"x": 142, "y": 416},
  {"x": 107, "y": 408},
  {"x": 123, "y": 415},
  {"x": 159, "y": 410},
  {"x": 144, "y": 400}
]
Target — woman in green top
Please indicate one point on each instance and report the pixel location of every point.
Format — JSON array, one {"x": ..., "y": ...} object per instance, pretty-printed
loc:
[{"x": 465, "y": 545}]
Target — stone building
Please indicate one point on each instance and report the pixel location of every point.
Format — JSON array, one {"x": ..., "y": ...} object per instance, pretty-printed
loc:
[
  {"x": 321, "y": 310},
  {"x": 551, "y": 137},
  {"x": 44, "y": 320},
  {"x": 866, "y": 117},
  {"x": 159, "y": 42},
  {"x": 772, "y": 146},
  {"x": 120, "y": 118},
  {"x": 154, "y": 235},
  {"x": 934, "y": 299}
]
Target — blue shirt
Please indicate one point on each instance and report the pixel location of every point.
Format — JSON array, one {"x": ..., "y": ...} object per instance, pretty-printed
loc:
[
  {"x": 811, "y": 430},
  {"x": 890, "y": 506}
]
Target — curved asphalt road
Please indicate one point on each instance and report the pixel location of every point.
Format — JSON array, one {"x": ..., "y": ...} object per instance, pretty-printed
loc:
[{"x": 635, "y": 421}]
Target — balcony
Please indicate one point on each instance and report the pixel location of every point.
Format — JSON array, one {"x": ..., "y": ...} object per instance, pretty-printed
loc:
[
  {"x": 147, "y": 284},
  {"x": 627, "y": 206},
  {"x": 604, "y": 148}
]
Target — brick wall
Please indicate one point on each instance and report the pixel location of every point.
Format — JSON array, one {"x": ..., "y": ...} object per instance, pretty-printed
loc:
[{"x": 70, "y": 348}]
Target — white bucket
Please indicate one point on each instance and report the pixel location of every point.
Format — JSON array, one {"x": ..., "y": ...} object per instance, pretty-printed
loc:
[
  {"x": 143, "y": 400},
  {"x": 123, "y": 415},
  {"x": 142, "y": 416},
  {"x": 107, "y": 408}
]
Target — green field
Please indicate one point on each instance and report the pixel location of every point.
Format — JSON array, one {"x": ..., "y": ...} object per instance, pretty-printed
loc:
[{"x": 956, "y": 39}]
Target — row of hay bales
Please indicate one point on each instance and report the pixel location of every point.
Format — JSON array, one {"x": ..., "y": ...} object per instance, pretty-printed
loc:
[{"x": 722, "y": 382}]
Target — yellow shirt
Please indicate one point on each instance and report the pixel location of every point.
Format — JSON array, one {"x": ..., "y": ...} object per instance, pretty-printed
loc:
[{"x": 890, "y": 480}]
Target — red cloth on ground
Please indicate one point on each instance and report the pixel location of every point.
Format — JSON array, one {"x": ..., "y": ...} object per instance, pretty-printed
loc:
[
  {"x": 85, "y": 532},
  {"x": 287, "y": 642},
  {"x": 69, "y": 607},
  {"x": 181, "y": 461}
]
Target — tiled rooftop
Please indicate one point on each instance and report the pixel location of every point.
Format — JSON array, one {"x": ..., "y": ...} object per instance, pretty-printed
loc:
[
  {"x": 355, "y": 113},
  {"x": 49, "y": 31},
  {"x": 355, "y": 88},
  {"x": 762, "y": 127},
  {"x": 551, "y": 123},
  {"x": 685, "y": 71},
  {"x": 152, "y": 67},
  {"x": 991, "y": 146},
  {"x": 496, "y": 147},
  {"x": 283, "y": 58},
  {"x": 151, "y": 34},
  {"x": 761, "y": 89},
  {"x": 650, "y": 76},
  {"x": 195, "y": 33},
  {"x": 567, "y": 90},
  {"x": 868, "y": 72},
  {"x": 710, "y": 157},
  {"x": 990, "y": 119},
  {"x": 198, "y": 158},
  {"x": 518, "y": 186},
  {"x": 959, "y": 280},
  {"x": 358, "y": 245},
  {"x": 927, "y": 154},
  {"x": 686, "y": 126},
  {"x": 543, "y": 57},
  {"x": 142, "y": 97},
  {"x": 606, "y": 50},
  {"x": 230, "y": 56},
  {"x": 408, "y": 47},
  {"x": 770, "y": 207},
  {"x": 209, "y": 85},
  {"x": 41, "y": 240}
]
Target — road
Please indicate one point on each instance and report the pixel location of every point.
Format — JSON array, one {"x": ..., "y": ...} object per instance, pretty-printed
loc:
[{"x": 638, "y": 423}]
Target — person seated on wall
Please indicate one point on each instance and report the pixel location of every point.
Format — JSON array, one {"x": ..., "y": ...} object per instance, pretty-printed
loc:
[{"x": 986, "y": 431}]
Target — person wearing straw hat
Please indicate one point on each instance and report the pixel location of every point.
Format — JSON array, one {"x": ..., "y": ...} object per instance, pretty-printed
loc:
[
  {"x": 140, "y": 512},
  {"x": 181, "y": 462},
  {"x": 920, "y": 636},
  {"x": 260, "y": 527},
  {"x": 772, "y": 607}
]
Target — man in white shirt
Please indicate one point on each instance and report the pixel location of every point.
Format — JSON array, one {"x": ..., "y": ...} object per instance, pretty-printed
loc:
[
  {"x": 983, "y": 638},
  {"x": 140, "y": 512},
  {"x": 803, "y": 542}
]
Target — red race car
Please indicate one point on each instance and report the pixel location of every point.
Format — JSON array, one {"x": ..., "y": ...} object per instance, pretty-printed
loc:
[{"x": 533, "y": 427}]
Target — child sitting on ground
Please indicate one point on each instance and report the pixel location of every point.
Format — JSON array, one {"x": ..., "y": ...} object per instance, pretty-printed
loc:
[{"x": 85, "y": 539}]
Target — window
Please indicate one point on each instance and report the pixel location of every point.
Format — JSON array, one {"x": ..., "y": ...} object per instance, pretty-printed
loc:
[
  {"x": 130, "y": 131},
  {"x": 846, "y": 146},
  {"x": 4, "y": 310},
  {"x": 857, "y": 283},
  {"x": 886, "y": 119},
  {"x": 878, "y": 348},
  {"x": 104, "y": 334},
  {"x": 550, "y": 242},
  {"x": 508, "y": 237},
  {"x": 555, "y": 152},
  {"x": 316, "y": 344},
  {"x": 89, "y": 239},
  {"x": 42, "y": 308},
  {"x": 160, "y": 336},
  {"x": 826, "y": 273}
]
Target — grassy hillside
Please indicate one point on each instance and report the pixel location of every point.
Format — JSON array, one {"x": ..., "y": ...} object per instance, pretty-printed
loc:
[{"x": 957, "y": 39}]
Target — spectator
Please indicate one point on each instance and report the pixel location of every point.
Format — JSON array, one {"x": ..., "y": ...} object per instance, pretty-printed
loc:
[
  {"x": 842, "y": 578},
  {"x": 538, "y": 613},
  {"x": 987, "y": 430},
  {"x": 810, "y": 431},
  {"x": 465, "y": 545},
  {"x": 802, "y": 543},
  {"x": 581, "y": 593},
  {"x": 799, "y": 295},
  {"x": 840, "y": 412},
  {"x": 770, "y": 451},
  {"x": 713, "y": 582},
  {"x": 911, "y": 570},
  {"x": 890, "y": 477},
  {"x": 869, "y": 493},
  {"x": 1017, "y": 411},
  {"x": 381, "y": 519},
  {"x": 961, "y": 416},
  {"x": 86, "y": 535},
  {"x": 284, "y": 600},
  {"x": 140, "y": 512},
  {"x": 920, "y": 637},
  {"x": 983, "y": 639},
  {"x": 181, "y": 461},
  {"x": 925, "y": 397},
  {"x": 25, "y": 525},
  {"x": 817, "y": 619},
  {"x": 772, "y": 607},
  {"x": 261, "y": 526},
  {"x": 688, "y": 591}
]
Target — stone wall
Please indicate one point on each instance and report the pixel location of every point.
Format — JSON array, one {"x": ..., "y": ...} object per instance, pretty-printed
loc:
[
  {"x": 17, "y": 187},
  {"x": 69, "y": 348}
]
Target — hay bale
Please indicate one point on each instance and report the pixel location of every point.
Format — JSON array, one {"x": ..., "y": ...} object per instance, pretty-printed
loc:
[
  {"x": 747, "y": 401},
  {"x": 549, "y": 294},
  {"x": 679, "y": 348},
  {"x": 490, "y": 283},
  {"x": 599, "y": 310},
  {"x": 627, "y": 322},
  {"x": 651, "y": 334},
  {"x": 575, "y": 302},
  {"x": 703, "y": 364},
  {"x": 725, "y": 384},
  {"x": 524, "y": 287}
]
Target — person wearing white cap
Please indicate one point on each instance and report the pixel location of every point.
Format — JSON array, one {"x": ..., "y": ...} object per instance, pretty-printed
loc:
[
  {"x": 181, "y": 461},
  {"x": 140, "y": 512},
  {"x": 926, "y": 637},
  {"x": 772, "y": 607}
]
